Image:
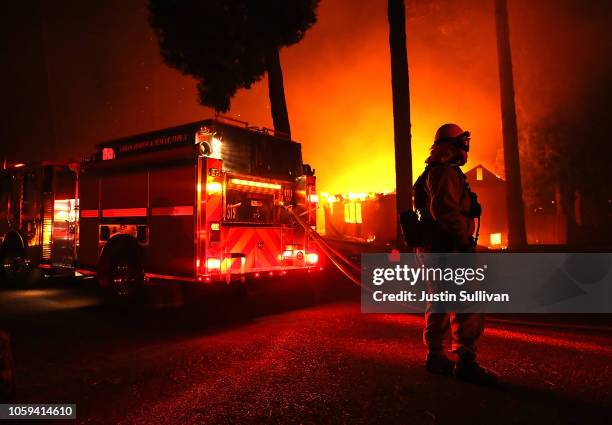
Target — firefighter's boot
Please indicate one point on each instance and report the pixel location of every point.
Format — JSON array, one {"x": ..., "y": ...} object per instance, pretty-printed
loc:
[
  {"x": 468, "y": 370},
  {"x": 438, "y": 364}
]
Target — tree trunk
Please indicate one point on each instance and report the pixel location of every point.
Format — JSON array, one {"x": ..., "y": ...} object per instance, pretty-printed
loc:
[
  {"x": 514, "y": 193},
  {"x": 276, "y": 92},
  {"x": 396, "y": 13}
]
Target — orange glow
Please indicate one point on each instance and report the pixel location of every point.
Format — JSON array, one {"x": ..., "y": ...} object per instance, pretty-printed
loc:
[
  {"x": 337, "y": 84},
  {"x": 352, "y": 212},
  {"x": 47, "y": 232},
  {"x": 495, "y": 239},
  {"x": 357, "y": 196},
  {"x": 263, "y": 185},
  {"x": 340, "y": 105},
  {"x": 213, "y": 187},
  {"x": 338, "y": 96},
  {"x": 312, "y": 258},
  {"x": 216, "y": 147},
  {"x": 63, "y": 210},
  {"x": 213, "y": 264}
]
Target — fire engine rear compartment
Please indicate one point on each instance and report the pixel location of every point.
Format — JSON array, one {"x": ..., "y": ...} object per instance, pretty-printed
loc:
[
  {"x": 194, "y": 216},
  {"x": 151, "y": 201}
]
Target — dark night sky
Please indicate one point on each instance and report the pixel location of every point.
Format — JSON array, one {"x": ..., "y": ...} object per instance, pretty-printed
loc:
[{"x": 79, "y": 72}]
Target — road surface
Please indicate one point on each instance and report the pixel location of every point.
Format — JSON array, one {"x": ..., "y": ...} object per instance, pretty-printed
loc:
[{"x": 272, "y": 359}]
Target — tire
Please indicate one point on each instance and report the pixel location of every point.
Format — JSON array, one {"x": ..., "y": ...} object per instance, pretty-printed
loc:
[
  {"x": 121, "y": 270},
  {"x": 13, "y": 268}
]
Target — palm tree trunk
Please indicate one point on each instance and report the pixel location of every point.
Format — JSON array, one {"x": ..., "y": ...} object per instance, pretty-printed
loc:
[
  {"x": 401, "y": 109},
  {"x": 514, "y": 191},
  {"x": 276, "y": 92}
]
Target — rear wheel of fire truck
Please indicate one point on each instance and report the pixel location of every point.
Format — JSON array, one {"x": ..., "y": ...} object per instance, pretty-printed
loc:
[
  {"x": 121, "y": 270},
  {"x": 13, "y": 265}
]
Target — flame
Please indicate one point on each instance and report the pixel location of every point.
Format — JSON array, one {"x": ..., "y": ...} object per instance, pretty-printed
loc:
[{"x": 340, "y": 105}]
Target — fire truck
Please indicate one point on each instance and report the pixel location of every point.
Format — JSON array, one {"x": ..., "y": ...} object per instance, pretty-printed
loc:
[
  {"x": 38, "y": 219},
  {"x": 211, "y": 201}
]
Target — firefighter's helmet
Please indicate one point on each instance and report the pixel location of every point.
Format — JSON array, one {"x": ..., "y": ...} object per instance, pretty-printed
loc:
[{"x": 454, "y": 134}]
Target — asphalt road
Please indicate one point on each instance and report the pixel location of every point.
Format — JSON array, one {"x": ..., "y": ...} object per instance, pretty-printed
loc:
[{"x": 287, "y": 353}]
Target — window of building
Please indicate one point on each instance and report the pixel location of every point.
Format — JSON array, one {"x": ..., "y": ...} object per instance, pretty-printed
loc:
[
  {"x": 352, "y": 212},
  {"x": 479, "y": 174}
]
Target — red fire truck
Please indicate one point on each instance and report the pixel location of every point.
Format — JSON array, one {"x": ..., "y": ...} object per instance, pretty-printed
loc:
[
  {"x": 38, "y": 221},
  {"x": 206, "y": 201}
]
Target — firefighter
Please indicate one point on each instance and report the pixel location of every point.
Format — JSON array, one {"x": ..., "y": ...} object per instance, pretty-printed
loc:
[{"x": 444, "y": 200}]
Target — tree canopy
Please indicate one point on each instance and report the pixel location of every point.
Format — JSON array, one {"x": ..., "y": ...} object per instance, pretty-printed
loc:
[{"x": 226, "y": 44}]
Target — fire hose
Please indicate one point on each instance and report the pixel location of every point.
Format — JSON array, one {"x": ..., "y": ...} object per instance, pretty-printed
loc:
[{"x": 343, "y": 264}]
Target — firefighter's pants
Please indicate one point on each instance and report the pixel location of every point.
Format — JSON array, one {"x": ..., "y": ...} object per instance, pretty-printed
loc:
[{"x": 466, "y": 330}]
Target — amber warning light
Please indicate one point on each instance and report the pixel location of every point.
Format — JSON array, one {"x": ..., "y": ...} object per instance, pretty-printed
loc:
[{"x": 251, "y": 183}]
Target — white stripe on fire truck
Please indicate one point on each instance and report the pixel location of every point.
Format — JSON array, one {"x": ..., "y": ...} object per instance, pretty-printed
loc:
[
  {"x": 180, "y": 210},
  {"x": 89, "y": 213},
  {"x": 125, "y": 212}
]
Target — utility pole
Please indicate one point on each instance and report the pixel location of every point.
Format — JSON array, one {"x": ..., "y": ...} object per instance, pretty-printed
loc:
[
  {"x": 396, "y": 13},
  {"x": 517, "y": 238}
]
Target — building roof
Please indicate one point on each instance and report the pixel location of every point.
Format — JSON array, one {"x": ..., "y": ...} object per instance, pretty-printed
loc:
[{"x": 485, "y": 175}]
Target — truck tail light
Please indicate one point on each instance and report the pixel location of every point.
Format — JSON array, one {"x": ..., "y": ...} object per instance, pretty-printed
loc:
[
  {"x": 213, "y": 187},
  {"x": 312, "y": 258},
  {"x": 215, "y": 232},
  {"x": 213, "y": 264}
]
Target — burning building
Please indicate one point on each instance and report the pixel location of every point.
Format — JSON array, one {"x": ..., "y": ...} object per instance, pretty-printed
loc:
[
  {"x": 491, "y": 191},
  {"x": 370, "y": 217},
  {"x": 358, "y": 217}
]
